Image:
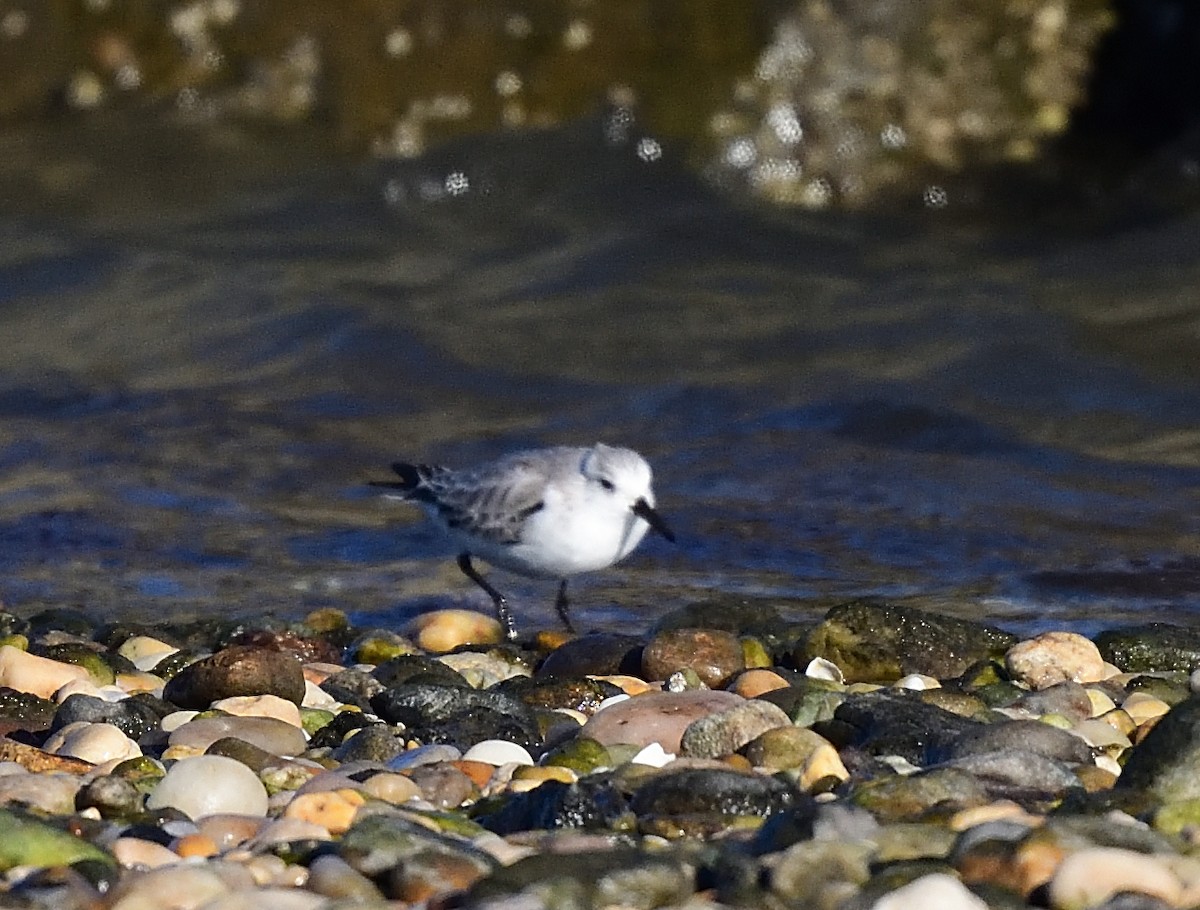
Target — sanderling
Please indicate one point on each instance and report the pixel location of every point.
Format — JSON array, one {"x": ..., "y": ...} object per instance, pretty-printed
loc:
[{"x": 545, "y": 513}]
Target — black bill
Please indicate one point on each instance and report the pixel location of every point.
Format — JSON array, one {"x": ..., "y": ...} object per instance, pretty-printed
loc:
[{"x": 646, "y": 513}]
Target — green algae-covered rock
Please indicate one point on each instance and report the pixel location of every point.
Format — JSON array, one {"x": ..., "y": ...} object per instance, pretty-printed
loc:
[
  {"x": 1152, "y": 646},
  {"x": 880, "y": 642},
  {"x": 582, "y": 755},
  {"x": 1166, "y": 763},
  {"x": 26, "y": 841},
  {"x": 908, "y": 798}
]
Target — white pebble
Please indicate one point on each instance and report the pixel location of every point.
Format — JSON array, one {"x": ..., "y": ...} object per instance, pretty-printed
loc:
[
  {"x": 653, "y": 755},
  {"x": 936, "y": 890},
  {"x": 210, "y": 784},
  {"x": 820, "y": 668},
  {"x": 498, "y": 752},
  {"x": 95, "y": 743}
]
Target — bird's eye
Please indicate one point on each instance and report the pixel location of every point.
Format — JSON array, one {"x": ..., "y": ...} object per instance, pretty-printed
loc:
[{"x": 607, "y": 484}]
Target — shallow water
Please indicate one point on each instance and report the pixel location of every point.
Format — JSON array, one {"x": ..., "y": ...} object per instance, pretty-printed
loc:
[{"x": 205, "y": 364}]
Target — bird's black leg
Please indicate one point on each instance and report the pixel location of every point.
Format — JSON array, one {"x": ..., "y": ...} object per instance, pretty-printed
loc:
[
  {"x": 464, "y": 563},
  {"x": 561, "y": 603}
]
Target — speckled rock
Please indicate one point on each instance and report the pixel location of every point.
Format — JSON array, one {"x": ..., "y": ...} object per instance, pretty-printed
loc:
[
  {"x": 726, "y": 732},
  {"x": 52, "y": 792},
  {"x": 592, "y": 802},
  {"x": 876, "y": 642},
  {"x": 112, "y": 796},
  {"x": 460, "y": 717},
  {"x": 657, "y": 717},
  {"x": 234, "y": 671},
  {"x": 810, "y": 755},
  {"x": 377, "y": 743},
  {"x": 904, "y": 798},
  {"x": 1027, "y": 735},
  {"x": 1151, "y": 646},
  {"x": 135, "y": 717},
  {"x": 1054, "y": 657},
  {"x": 1068, "y": 699},
  {"x": 670, "y": 796},
  {"x": 716, "y": 656}
]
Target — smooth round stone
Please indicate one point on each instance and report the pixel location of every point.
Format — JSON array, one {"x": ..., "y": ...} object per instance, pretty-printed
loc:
[
  {"x": 1142, "y": 707},
  {"x": 715, "y": 655},
  {"x": 797, "y": 748},
  {"x": 424, "y": 755},
  {"x": 391, "y": 788},
  {"x": 237, "y": 670},
  {"x": 287, "y": 830},
  {"x": 332, "y": 877},
  {"x": 753, "y": 683},
  {"x": 275, "y": 736},
  {"x": 260, "y": 706},
  {"x": 95, "y": 743},
  {"x": 210, "y": 784},
  {"x": 333, "y": 810},
  {"x": 145, "y": 652},
  {"x": 228, "y": 830},
  {"x": 276, "y": 897},
  {"x": 945, "y": 892},
  {"x": 1055, "y": 657},
  {"x": 656, "y": 717},
  {"x": 445, "y": 786},
  {"x": 40, "y": 676},
  {"x": 50, "y": 792},
  {"x": 1091, "y": 876},
  {"x": 200, "y": 884},
  {"x": 444, "y": 630},
  {"x": 498, "y": 752},
  {"x": 134, "y": 852}
]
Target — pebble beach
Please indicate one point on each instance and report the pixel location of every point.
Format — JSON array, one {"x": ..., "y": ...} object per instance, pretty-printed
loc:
[{"x": 883, "y": 757}]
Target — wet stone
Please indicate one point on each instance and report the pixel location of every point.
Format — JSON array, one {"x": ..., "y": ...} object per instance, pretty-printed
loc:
[
  {"x": 1151, "y": 646},
  {"x": 1028, "y": 735},
  {"x": 711, "y": 791},
  {"x": 373, "y": 742},
  {"x": 890, "y": 722},
  {"x": 807, "y": 701},
  {"x": 416, "y": 669},
  {"x": 594, "y": 654},
  {"x": 656, "y": 717},
  {"x": 907, "y": 798},
  {"x": 25, "y": 711},
  {"x": 1068, "y": 698},
  {"x": 716, "y": 656},
  {"x": 334, "y": 733},
  {"x": 132, "y": 717},
  {"x": 579, "y": 694},
  {"x": 728, "y": 731},
  {"x": 111, "y": 796},
  {"x": 879, "y": 642},
  {"x": 458, "y": 716},
  {"x": 352, "y": 686},
  {"x": 1017, "y": 774},
  {"x": 234, "y": 671},
  {"x": 1167, "y": 762},
  {"x": 591, "y": 803},
  {"x": 385, "y": 847}
]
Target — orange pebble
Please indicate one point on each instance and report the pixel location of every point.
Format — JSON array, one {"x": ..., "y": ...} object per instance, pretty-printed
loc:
[
  {"x": 753, "y": 683},
  {"x": 479, "y": 772},
  {"x": 196, "y": 845},
  {"x": 333, "y": 810}
]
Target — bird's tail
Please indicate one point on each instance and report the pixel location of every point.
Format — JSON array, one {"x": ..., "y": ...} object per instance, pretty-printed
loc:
[{"x": 412, "y": 477}]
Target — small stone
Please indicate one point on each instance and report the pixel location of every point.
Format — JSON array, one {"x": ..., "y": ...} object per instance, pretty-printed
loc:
[
  {"x": 482, "y": 671},
  {"x": 391, "y": 788},
  {"x": 725, "y": 732},
  {"x": 444, "y": 630},
  {"x": 39, "y": 676},
  {"x": 332, "y": 877},
  {"x": 135, "y": 853},
  {"x": 1091, "y": 876},
  {"x": 95, "y": 743},
  {"x": 260, "y": 706},
  {"x": 275, "y": 736},
  {"x": 498, "y": 752},
  {"x": 799, "y": 749},
  {"x": 1055, "y": 657},
  {"x": 714, "y": 655},
  {"x": 110, "y": 795},
  {"x": 755, "y": 682},
  {"x": 145, "y": 652},
  {"x": 210, "y": 784},
  {"x": 333, "y": 810},
  {"x": 237, "y": 670},
  {"x": 198, "y": 846},
  {"x": 656, "y": 717},
  {"x": 1142, "y": 707}
]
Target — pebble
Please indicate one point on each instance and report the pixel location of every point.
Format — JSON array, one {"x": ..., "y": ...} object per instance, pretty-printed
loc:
[
  {"x": 260, "y": 706},
  {"x": 145, "y": 652},
  {"x": 333, "y": 810},
  {"x": 391, "y": 788},
  {"x": 656, "y": 717},
  {"x": 945, "y": 892},
  {"x": 40, "y": 676},
  {"x": 95, "y": 743},
  {"x": 268, "y": 733},
  {"x": 752, "y": 683},
  {"x": 237, "y": 670},
  {"x": 209, "y": 784},
  {"x": 724, "y": 732},
  {"x": 713, "y": 654},
  {"x": 440, "y": 631},
  {"x": 134, "y": 852},
  {"x": 1055, "y": 657},
  {"x": 1091, "y": 876},
  {"x": 498, "y": 752}
]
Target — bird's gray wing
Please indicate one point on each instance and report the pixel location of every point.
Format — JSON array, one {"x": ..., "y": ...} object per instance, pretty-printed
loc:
[{"x": 492, "y": 503}]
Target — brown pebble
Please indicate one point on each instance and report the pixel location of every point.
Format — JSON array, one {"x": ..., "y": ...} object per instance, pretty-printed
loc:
[
  {"x": 755, "y": 682},
  {"x": 32, "y": 759},
  {"x": 714, "y": 655},
  {"x": 191, "y": 845}
]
